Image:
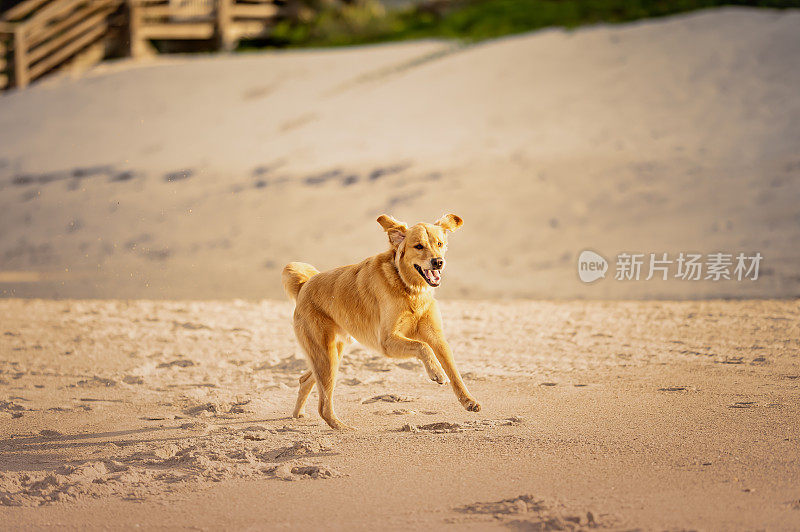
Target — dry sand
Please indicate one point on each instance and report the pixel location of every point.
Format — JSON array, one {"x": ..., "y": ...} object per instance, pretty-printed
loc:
[
  {"x": 184, "y": 178},
  {"x": 650, "y": 415}
]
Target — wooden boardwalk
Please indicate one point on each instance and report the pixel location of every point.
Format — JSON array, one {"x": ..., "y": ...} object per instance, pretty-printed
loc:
[{"x": 39, "y": 37}]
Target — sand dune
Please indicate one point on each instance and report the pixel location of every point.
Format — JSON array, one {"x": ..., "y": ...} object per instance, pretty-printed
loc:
[
  {"x": 199, "y": 177},
  {"x": 652, "y": 416}
]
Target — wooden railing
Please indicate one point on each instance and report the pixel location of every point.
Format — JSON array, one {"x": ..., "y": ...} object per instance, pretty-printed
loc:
[
  {"x": 226, "y": 21},
  {"x": 41, "y": 36},
  {"x": 47, "y": 34},
  {"x": 6, "y": 38}
]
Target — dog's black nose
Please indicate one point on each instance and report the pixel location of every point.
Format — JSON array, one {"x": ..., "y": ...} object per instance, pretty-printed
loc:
[{"x": 437, "y": 263}]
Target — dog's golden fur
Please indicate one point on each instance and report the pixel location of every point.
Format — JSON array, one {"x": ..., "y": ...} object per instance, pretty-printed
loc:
[{"x": 385, "y": 302}]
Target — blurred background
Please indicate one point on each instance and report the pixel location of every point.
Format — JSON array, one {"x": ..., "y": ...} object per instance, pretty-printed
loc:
[{"x": 190, "y": 148}]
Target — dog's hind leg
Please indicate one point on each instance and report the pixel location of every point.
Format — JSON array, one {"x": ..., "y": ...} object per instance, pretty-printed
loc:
[
  {"x": 318, "y": 339},
  {"x": 326, "y": 381},
  {"x": 307, "y": 382}
]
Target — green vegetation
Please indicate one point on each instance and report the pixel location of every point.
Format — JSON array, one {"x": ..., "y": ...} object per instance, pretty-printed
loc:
[{"x": 366, "y": 21}]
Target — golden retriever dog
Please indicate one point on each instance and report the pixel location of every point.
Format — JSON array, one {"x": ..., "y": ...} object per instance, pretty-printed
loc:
[{"x": 385, "y": 302}]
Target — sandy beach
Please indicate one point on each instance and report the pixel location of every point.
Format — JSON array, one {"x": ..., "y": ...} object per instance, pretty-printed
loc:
[
  {"x": 148, "y": 366},
  {"x": 620, "y": 415},
  {"x": 183, "y": 177}
]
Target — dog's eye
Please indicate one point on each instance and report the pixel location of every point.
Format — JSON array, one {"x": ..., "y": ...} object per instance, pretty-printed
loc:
[{"x": 419, "y": 246}]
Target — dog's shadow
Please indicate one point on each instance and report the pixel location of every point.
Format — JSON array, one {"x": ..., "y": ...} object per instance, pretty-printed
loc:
[{"x": 30, "y": 453}]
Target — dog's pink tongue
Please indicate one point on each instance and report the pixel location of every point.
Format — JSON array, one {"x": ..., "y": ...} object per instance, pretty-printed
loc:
[{"x": 434, "y": 276}]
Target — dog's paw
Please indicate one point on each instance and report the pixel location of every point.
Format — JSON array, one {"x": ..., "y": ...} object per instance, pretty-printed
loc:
[
  {"x": 339, "y": 425},
  {"x": 471, "y": 404},
  {"x": 299, "y": 415},
  {"x": 438, "y": 375}
]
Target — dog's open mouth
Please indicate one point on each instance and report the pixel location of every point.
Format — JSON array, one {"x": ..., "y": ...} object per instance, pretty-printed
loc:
[{"x": 432, "y": 277}]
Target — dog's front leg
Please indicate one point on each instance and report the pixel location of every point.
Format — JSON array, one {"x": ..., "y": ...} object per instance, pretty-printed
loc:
[
  {"x": 430, "y": 330},
  {"x": 398, "y": 346},
  {"x": 445, "y": 356}
]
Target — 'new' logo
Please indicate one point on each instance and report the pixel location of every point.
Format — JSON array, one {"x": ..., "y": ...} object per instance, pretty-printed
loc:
[{"x": 591, "y": 266}]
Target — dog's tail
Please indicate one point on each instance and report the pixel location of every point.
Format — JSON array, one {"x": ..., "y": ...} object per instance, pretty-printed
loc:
[{"x": 295, "y": 275}]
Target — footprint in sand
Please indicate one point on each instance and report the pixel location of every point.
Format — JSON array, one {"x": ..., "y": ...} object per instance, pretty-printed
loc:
[
  {"x": 178, "y": 175},
  {"x": 202, "y": 409},
  {"x": 290, "y": 364},
  {"x": 380, "y": 364},
  {"x": 518, "y": 505},
  {"x": 96, "y": 382},
  {"x": 527, "y": 512},
  {"x": 180, "y": 363},
  {"x": 257, "y": 435},
  {"x": 442, "y": 427},
  {"x": 472, "y": 376},
  {"x": 12, "y": 408},
  {"x": 298, "y": 449},
  {"x": 388, "y": 398},
  {"x": 291, "y": 472},
  {"x": 673, "y": 389},
  {"x": 195, "y": 425},
  {"x": 218, "y": 408},
  {"x": 743, "y": 404}
]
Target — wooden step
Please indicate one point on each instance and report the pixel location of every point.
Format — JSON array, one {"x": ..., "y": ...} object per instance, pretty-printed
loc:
[
  {"x": 67, "y": 51},
  {"x": 193, "y": 30}
]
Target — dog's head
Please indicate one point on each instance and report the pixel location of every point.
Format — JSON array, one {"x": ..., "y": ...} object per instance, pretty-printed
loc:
[{"x": 419, "y": 250}]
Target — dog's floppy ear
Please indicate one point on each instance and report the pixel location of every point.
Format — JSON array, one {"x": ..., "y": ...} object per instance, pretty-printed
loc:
[
  {"x": 394, "y": 228},
  {"x": 449, "y": 222},
  {"x": 387, "y": 222}
]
